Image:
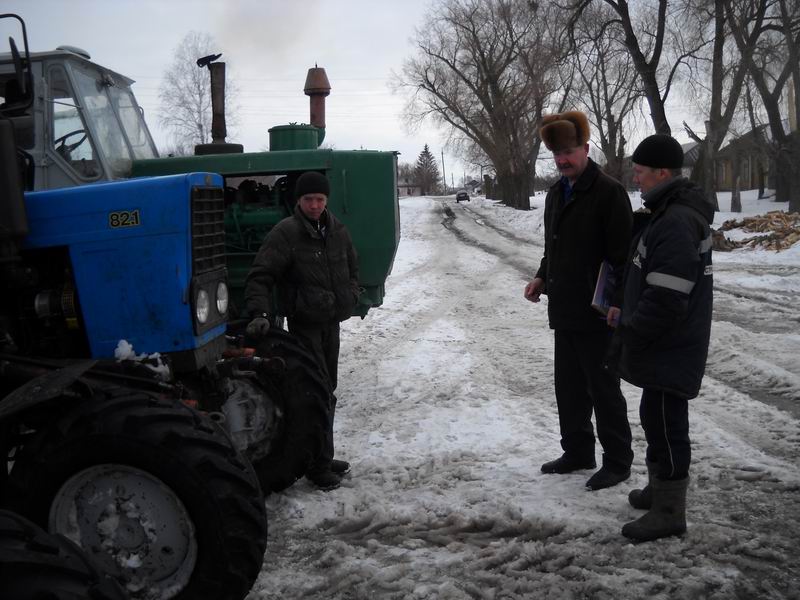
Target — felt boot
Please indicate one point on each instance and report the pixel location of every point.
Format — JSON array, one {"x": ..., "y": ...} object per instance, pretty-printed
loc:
[
  {"x": 667, "y": 515},
  {"x": 325, "y": 480},
  {"x": 340, "y": 467},
  {"x": 643, "y": 498}
]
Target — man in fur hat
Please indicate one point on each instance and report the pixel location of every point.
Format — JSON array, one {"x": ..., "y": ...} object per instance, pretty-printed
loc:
[{"x": 587, "y": 220}]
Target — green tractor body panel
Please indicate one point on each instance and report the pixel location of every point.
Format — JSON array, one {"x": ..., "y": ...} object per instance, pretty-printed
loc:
[{"x": 259, "y": 193}]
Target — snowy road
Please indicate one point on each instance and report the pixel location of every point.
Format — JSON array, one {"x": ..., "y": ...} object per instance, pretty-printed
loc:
[{"x": 446, "y": 411}]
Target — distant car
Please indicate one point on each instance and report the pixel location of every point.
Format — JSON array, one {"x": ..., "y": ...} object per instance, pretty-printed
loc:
[{"x": 462, "y": 196}]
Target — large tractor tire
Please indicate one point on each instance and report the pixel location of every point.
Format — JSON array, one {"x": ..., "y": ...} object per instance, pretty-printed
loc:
[
  {"x": 304, "y": 405},
  {"x": 153, "y": 490},
  {"x": 35, "y": 565}
]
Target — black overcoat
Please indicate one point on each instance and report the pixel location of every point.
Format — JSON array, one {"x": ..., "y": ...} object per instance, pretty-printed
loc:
[{"x": 594, "y": 225}]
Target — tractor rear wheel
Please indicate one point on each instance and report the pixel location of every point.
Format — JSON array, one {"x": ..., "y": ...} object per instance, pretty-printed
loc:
[
  {"x": 304, "y": 405},
  {"x": 154, "y": 490},
  {"x": 35, "y": 564}
]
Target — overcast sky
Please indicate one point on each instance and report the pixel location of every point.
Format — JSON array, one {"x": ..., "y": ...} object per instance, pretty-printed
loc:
[{"x": 268, "y": 46}]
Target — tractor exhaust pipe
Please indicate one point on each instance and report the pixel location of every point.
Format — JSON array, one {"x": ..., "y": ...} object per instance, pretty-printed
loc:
[
  {"x": 218, "y": 128},
  {"x": 317, "y": 88}
]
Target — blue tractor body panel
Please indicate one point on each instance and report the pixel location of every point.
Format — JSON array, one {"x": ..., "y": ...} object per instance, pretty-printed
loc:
[{"x": 130, "y": 245}]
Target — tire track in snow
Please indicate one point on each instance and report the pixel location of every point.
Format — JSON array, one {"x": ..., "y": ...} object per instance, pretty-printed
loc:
[{"x": 450, "y": 508}]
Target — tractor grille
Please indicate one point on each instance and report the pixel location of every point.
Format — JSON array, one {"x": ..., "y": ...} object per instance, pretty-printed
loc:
[{"x": 208, "y": 229}]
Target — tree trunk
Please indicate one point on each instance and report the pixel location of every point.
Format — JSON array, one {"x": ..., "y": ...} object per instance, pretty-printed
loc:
[
  {"x": 787, "y": 176},
  {"x": 736, "y": 195},
  {"x": 791, "y": 159},
  {"x": 613, "y": 165},
  {"x": 709, "y": 183},
  {"x": 704, "y": 170},
  {"x": 514, "y": 188},
  {"x": 794, "y": 186},
  {"x": 488, "y": 187}
]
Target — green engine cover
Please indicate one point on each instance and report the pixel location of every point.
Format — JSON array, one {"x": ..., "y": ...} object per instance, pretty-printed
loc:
[{"x": 259, "y": 189}]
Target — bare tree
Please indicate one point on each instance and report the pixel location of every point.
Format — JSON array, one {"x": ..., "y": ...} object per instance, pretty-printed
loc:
[
  {"x": 185, "y": 94},
  {"x": 775, "y": 63},
  {"x": 719, "y": 81},
  {"x": 607, "y": 81},
  {"x": 473, "y": 155},
  {"x": 660, "y": 38},
  {"x": 470, "y": 74}
]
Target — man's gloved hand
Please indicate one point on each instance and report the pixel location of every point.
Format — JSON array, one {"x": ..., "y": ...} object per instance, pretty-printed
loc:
[{"x": 258, "y": 327}]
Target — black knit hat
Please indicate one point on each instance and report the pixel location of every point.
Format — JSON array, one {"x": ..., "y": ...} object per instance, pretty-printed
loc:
[
  {"x": 311, "y": 182},
  {"x": 659, "y": 151}
]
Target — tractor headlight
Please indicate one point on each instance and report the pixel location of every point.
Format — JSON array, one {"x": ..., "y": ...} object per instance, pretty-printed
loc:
[
  {"x": 222, "y": 298},
  {"x": 202, "y": 306}
]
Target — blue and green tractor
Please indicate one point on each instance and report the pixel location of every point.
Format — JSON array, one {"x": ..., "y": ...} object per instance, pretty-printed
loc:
[{"x": 136, "y": 418}]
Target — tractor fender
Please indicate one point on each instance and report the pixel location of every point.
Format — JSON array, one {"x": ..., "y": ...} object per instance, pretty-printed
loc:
[{"x": 43, "y": 388}]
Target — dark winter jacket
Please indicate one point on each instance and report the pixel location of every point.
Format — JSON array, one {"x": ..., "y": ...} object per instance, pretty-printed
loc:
[
  {"x": 592, "y": 226},
  {"x": 315, "y": 274},
  {"x": 665, "y": 324}
]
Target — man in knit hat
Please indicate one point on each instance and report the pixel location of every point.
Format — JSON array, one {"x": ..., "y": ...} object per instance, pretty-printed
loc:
[
  {"x": 309, "y": 259},
  {"x": 587, "y": 220},
  {"x": 664, "y": 329}
]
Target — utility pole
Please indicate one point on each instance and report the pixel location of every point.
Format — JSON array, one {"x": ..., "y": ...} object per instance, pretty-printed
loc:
[{"x": 444, "y": 177}]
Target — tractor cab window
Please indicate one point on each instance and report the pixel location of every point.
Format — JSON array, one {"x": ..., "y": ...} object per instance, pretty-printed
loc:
[
  {"x": 92, "y": 91},
  {"x": 132, "y": 122},
  {"x": 69, "y": 134}
]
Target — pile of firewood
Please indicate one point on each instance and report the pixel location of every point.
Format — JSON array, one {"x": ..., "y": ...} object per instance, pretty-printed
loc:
[{"x": 777, "y": 231}]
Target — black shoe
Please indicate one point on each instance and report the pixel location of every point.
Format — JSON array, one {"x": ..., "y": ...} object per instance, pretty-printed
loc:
[
  {"x": 605, "y": 478},
  {"x": 566, "y": 464},
  {"x": 340, "y": 467},
  {"x": 325, "y": 480}
]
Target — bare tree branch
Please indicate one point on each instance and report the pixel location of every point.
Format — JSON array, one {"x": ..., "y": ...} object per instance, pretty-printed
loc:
[
  {"x": 185, "y": 94},
  {"x": 485, "y": 70}
]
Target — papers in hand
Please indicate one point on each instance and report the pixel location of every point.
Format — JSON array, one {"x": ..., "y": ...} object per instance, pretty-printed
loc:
[{"x": 605, "y": 287}]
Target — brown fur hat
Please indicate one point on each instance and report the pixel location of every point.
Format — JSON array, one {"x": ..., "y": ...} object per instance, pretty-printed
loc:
[{"x": 564, "y": 130}]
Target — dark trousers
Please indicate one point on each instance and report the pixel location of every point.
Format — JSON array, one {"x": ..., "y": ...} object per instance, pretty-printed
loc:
[
  {"x": 584, "y": 385},
  {"x": 665, "y": 420},
  {"x": 323, "y": 343}
]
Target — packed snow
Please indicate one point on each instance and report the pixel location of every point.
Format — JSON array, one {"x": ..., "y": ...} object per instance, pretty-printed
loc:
[{"x": 446, "y": 411}]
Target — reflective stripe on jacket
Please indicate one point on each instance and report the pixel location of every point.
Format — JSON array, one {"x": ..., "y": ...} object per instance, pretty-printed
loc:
[{"x": 665, "y": 324}]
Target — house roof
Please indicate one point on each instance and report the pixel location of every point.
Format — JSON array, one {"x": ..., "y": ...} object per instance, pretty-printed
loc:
[
  {"x": 691, "y": 151},
  {"x": 753, "y": 139}
]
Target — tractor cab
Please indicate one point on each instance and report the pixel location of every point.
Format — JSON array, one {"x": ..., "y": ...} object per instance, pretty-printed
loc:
[{"x": 82, "y": 123}]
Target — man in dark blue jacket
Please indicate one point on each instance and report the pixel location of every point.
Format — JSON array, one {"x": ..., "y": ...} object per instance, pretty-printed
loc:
[
  {"x": 587, "y": 220},
  {"x": 665, "y": 327}
]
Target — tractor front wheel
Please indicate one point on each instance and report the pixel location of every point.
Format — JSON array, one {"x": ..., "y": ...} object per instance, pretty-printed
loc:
[
  {"x": 304, "y": 403},
  {"x": 35, "y": 564},
  {"x": 153, "y": 490}
]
